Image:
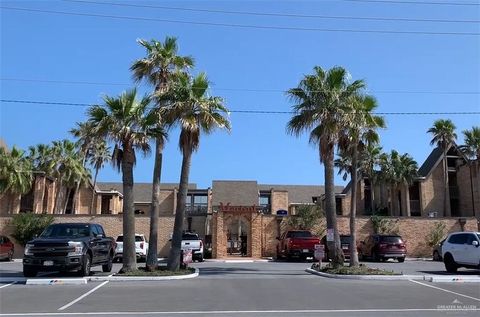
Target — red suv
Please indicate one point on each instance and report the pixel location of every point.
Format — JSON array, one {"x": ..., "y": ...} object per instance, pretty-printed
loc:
[
  {"x": 6, "y": 248},
  {"x": 381, "y": 247}
]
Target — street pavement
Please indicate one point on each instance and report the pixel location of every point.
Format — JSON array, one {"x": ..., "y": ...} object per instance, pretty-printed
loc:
[{"x": 243, "y": 289}]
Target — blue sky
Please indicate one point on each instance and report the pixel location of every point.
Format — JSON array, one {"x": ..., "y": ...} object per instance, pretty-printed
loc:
[{"x": 249, "y": 67}]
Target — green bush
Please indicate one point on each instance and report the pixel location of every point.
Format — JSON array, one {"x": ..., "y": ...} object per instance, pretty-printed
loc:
[
  {"x": 436, "y": 234},
  {"x": 309, "y": 217},
  {"x": 27, "y": 225},
  {"x": 383, "y": 225}
]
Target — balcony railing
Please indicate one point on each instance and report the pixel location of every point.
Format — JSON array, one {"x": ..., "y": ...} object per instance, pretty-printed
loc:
[{"x": 197, "y": 210}]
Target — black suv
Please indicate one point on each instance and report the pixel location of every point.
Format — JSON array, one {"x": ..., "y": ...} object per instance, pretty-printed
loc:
[{"x": 69, "y": 246}]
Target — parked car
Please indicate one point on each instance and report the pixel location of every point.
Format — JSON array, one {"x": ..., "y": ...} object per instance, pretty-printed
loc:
[
  {"x": 69, "y": 246},
  {"x": 345, "y": 245},
  {"x": 6, "y": 248},
  {"x": 141, "y": 247},
  {"x": 193, "y": 242},
  {"x": 437, "y": 251},
  {"x": 382, "y": 247},
  {"x": 296, "y": 243},
  {"x": 461, "y": 249}
]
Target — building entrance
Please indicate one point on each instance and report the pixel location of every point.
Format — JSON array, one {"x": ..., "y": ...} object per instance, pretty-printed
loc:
[{"x": 238, "y": 231}]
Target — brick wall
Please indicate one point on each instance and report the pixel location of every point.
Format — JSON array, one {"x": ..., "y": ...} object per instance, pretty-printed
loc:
[
  {"x": 112, "y": 225},
  {"x": 279, "y": 200}
]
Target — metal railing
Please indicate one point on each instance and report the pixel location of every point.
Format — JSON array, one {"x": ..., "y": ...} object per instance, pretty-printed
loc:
[{"x": 196, "y": 210}]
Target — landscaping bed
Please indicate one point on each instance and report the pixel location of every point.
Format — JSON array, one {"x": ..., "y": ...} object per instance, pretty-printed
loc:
[
  {"x": 347, "y": 270},
  {"x": 161, "y": 271}
]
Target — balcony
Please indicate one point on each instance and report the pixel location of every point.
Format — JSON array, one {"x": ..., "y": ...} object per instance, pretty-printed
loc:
[{"x": 196, "y": 210}]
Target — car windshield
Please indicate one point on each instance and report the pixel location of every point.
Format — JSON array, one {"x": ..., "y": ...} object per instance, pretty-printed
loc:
[
  {"x": 63, "y": 230},
  {"x": 299, "y": 234},
  {"x": 137, "y": 239},
  {"x": 345, "y": 239},
  {"x": 189, "y": 236},
  {"x": 391, "y": 239}
]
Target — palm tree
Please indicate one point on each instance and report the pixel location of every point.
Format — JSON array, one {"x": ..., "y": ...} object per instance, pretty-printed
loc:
[
  {"x": 322, "y": 101},
  {"x": 122, "y": 120},
  {"x": 389, "y": 177},
  {"x": 196, "y": 113},
  {"x": 444, "y": 136},
  {"x": 370, "y": 159},
  {"x": 158, "y": 68},
  {"x": 99, "y": 155},
  {"x": 16, "y": 173},
  {"x": 471, "y": 149},
  {"x": 407, "y": 169},
  {"x": 359, "y": 130}
]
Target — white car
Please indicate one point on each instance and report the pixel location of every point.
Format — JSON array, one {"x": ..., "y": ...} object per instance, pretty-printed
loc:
[
  {"x": 461, "y": 249},
  {"x": 141, "y": 247}
]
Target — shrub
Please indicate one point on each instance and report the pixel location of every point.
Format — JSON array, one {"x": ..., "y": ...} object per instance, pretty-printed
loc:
[
  {"x": 382, "y": 225},
  {"x": 27, "y": 225},
  {"x": 436, "y": 234},
  {"x": 309, "y": 217}
]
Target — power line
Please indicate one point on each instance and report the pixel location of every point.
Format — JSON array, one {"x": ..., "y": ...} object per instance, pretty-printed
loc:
[
  {"x": 270, "y": 14},
  {"x": 244, "y": 26},
  {"x": 240, "y": 89},
  {"x": 416, "y": 2},
  {"x": 243, "y": 111}
]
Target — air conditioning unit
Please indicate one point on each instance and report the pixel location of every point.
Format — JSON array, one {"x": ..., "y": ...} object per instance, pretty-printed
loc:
[{"x": 433, "y": 214}]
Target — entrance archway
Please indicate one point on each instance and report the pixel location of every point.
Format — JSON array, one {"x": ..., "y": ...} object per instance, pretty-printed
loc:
[{"x": 238, "y": 236}]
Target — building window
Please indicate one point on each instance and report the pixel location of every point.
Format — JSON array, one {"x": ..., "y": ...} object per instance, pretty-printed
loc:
[
  {"x": 264, "y": 201},
  {"x": 197, "y": 204}
]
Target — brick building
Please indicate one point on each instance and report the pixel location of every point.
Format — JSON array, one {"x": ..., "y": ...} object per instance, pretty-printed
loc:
[{"x": 231, "y": 212}]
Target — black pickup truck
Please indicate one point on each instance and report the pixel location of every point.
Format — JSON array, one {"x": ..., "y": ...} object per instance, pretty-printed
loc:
[{"x": 69, "y": 246}]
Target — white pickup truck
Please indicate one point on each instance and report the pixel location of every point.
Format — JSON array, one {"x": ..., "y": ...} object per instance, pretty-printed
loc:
[
  {"x": 141, "y": 247},
  {"x": 193, "y": 242}
]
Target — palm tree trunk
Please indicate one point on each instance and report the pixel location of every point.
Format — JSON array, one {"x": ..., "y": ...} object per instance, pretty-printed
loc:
[
  {"x": 152, "y": 256},
  {"x": 65, "y": 201},
  {"x": 75, "y": 198},
  {"x": 392, "y": 200},
  {"x": 372, "y": 196},
  {"x": 174, "y": 257},
  {"x": 408, "y": 212},
  {"x": 129, "y": 256},
  {"x": 330, "y": 210},
  {"x": 93, "y": 191},
  {"x": 398, "y": 206},
  {"x": 446, "y": 198},
  {"x": 353, "y": 210},
  {"x": 58, "y": 190}
]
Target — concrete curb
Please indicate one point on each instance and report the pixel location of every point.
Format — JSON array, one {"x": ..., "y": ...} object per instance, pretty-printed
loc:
[
  {"x": 239, "y": 260},
  {"x": 143, "y": 278},
  {"x": 427, "y": 278},
  {"x": 59, "y": 281},
  {"x": 368, "y": 277}
]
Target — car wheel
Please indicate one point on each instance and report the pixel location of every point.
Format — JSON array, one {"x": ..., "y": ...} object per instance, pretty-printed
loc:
[
  {"x": 360, "y": 256},
  {"x": 436, "y": 256},
  {"x": 108, "y": 267},
  {"x": 200, "y": 258},
  {"x": 401, "y": 260},
  {"x": 87, "y": 265},
  {"x": 10, "y": 255},
  {"x": 27, "y": 272},
  {"x": 375, "y": 257},
  {"x": 450, "y": 264}
]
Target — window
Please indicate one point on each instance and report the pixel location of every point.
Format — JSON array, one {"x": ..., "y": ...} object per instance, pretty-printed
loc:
[
  {"x": 95, "y": 230},
  {"x": 461, "y": 238},
  {"x": 197, "y": 203},
  {"x": 391, "y": 239},
  {"x": 264, "y": 201},
  {"x": 299, "y": 234}
]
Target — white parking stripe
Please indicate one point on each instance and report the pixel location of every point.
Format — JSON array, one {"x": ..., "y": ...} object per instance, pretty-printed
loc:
[
  {"x": 445, "y": 290},
  {"x": 83, "y": 296},
  {"x": 243, "y": 312},
  {"x": 7, "y": 285}
]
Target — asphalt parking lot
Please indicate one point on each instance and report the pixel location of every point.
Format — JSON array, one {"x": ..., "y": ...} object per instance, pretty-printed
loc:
[{"x": 243, "y": 289}]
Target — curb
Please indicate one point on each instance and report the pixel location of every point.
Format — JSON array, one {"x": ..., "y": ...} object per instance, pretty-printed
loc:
[
  {"x": 143, "y": 278},
  {"x": 239, "y": 261},
  {"x": 368, "y": 277},
  {"x": 60, "y": 281},
  {"x": 453, "y": 279}
]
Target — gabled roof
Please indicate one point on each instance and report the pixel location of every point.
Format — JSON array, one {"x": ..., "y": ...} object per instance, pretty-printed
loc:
[
  {"x": 430, "y": 162},
  {"x": 237, "y": 193},
  {"x": 299, "y": 194}
]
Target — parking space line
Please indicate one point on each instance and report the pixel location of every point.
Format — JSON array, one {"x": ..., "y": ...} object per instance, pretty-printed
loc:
[
  {"x": 445, "y": 290},
  {"x": 7, "y": 285},
  {"x": 83, "y": 296},
  {"x": 243, "y": 312}
]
